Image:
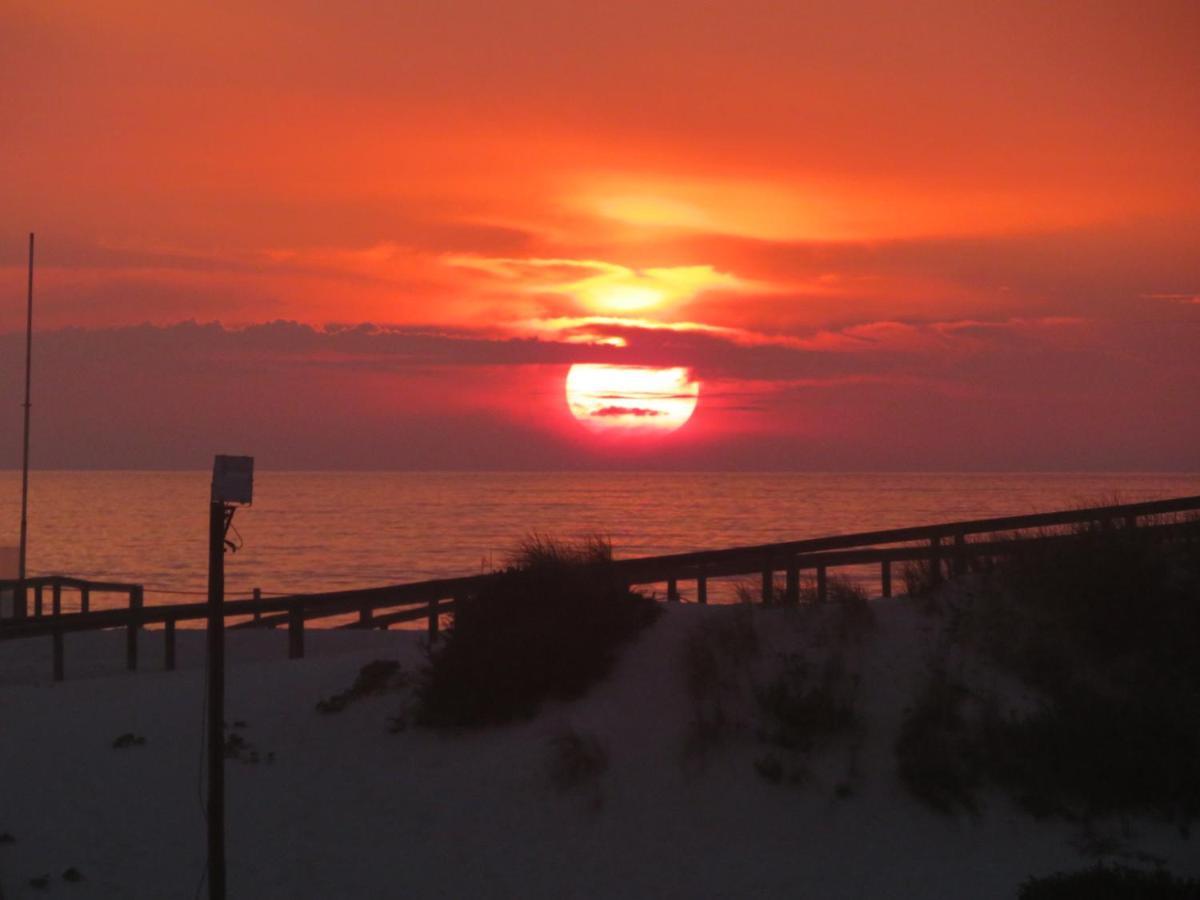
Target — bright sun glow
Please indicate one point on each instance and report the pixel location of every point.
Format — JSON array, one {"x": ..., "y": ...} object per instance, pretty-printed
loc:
[
  {"x": 631, "y": 399},
  {"x": 621, "y": 298}
]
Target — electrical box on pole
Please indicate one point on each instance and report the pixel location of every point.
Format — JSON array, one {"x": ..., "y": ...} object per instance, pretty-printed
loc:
[
  {"x": 233, "y": 479},
  {"x": 232, "y": 485}
]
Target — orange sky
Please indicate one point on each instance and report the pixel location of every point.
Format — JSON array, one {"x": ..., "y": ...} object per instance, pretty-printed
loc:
[{"x": 842, "y": 217}]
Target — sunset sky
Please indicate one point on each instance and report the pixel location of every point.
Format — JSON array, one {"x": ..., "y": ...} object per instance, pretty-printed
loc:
[{"x": 933, "y": 235}]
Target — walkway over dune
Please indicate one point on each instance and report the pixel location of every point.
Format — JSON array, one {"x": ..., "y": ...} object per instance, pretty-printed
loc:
[{"x": 947, "y": 548}]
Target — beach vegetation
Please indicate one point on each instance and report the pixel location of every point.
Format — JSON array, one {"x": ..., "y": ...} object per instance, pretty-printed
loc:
[
  {"x": 575, "y": 758},
  {"x": 716, "y": 659},
  {"x": 1100, "y": 626},
  {"x": 374, "y": 678},
  {"x": 802, "y": 703},
  {"x": 547, "y": 627},
  {"x": 937, "y": 755},
  {"x": 1110, "y": 882}
]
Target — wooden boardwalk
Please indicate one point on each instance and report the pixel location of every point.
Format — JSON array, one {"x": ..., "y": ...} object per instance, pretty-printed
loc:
[{"x": 950, "y": 546}]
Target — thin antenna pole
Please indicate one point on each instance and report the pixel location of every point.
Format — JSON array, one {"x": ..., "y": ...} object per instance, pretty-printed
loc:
[{"x": 25, "y": 456}]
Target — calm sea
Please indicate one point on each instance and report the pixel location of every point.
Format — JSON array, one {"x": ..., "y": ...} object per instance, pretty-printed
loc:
[{"x": 319, "y": 530}]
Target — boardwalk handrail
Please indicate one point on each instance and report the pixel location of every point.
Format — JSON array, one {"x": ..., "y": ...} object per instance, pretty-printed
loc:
[
  {"x": 432, "y": 598},
  {"x": 928, "y": 532}
]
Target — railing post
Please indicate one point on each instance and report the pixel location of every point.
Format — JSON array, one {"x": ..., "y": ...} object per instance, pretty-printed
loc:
[
  {"x": 85, "y": 599},
  {"x": 257, "y": 595},
  {"x": 793, "y": 583},
  {"x": 672, "y": 590},
  {"x": 21, "y": 601},
  {"x": 702, "y": 586},
  {"x": 768, "y": 582},
  {"x": 37, "y": 601},
  {"x": 885, "y": 577},
  {"x": 935, "y": 561},
  {"x": 131, "y": 630},
  {"x": 822, "y": 585},
  {"x": 295, "y": 631},
  {"x": 433, "y": 619},
  {"x": 960, "y": 554},
  {"x": 58, "y": 652},
  {"x": 365, "y": 615},
  {"x": 56, "y": 599},
  {"x": 169, "y": 648}
]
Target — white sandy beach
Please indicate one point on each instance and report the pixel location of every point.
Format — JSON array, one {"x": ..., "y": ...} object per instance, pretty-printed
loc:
[{"x": 347, "y": 809}]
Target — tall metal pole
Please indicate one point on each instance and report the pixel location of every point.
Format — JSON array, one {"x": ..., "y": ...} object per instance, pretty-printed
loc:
[
  {"x": 216, "y": 700},
  {"x": 25, "y": 456}
]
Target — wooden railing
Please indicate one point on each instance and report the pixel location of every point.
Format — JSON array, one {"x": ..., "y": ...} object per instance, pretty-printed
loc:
[{"x": 945, "y": 544}]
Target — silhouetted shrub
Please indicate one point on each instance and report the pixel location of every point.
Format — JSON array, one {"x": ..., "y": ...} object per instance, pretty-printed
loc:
[
  {"x": 1085, "y": 754},
  {"x": 1128, "y": 603},
  {"x": 920, "y": 578},
  {"x": 1103, "y": 626},
  {"x": 936, "y": 752},
  {"x": 716, "y": 655},
  {"x": 548, "y": 627},
  {"x": 854, "y": 618},
  {"x": 799, "y": 706},
  {"x": 1116, "y": 882}
]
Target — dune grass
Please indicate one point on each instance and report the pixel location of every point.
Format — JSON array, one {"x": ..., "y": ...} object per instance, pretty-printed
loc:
[
  {"x": 1102, "y": 627},
  {"x": 547, "y": 627}
]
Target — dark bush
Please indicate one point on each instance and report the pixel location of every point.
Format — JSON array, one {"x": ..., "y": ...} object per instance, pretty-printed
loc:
[
  {"x": 1116, "y": 882},
  {"x": 853, "y": 618},
  {"x": 936, "y": 753},
  {"x": 546, "y": 628},
  {"x": 716, "y": 658},
  {"x": 1085, "y": 754},
  {"x": 1102, "y": 624},
  {"x": 800, "y": 707},
  {"x": 920, "y": 578}
]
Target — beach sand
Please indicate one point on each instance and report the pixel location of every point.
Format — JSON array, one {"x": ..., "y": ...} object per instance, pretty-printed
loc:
[{"x": 347, "y": 809}]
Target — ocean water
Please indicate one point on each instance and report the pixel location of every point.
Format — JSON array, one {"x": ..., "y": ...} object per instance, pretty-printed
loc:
[{"x": 311, "y": 531}]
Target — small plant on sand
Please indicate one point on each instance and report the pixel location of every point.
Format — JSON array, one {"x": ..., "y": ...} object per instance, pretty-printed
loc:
[
  {"x": 922, "y": 578},
  {"x": 853, "y": 617},
  {"x": 374, "y": 678},
  {"x": 935, "y": 752},
  {"x": 1116, "y": 882},
  {"x": 576, "y": 759},
  {"x": 717, "y": 654},
  {"x": 548, "y": 627},
  {"x": 800, "y": 706}
]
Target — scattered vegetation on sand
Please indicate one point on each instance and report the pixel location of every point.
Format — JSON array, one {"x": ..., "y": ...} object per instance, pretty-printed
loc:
[
  {"x": 242, "y": 750},
  {"x": 576, "y": 759},
  {"x": 936, "y": 754},
  {"x": 850, "y": 617},
  {"x": 1115, "y": 882},
  {"x": 920, "y": 578},
  {"x": 803, "y": 704},
  {"x": 547, "y": 627},
  {"x": 374, "y": 678},
  {"x": 717, "y": 655}
]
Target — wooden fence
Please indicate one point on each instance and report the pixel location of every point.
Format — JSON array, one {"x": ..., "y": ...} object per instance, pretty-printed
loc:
[{"x": 952, "y": 545}]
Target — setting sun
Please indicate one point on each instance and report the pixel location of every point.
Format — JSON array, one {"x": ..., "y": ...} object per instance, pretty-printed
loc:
[{"x": 631, "y": 399}]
